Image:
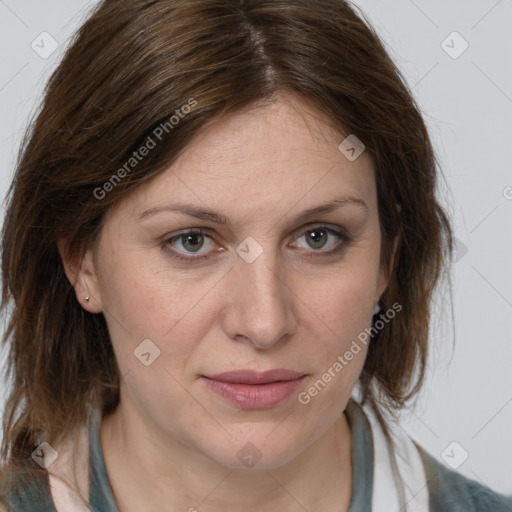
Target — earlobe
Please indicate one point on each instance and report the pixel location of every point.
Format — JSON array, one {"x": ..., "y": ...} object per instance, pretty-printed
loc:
[{"x": 81, "y": 273}]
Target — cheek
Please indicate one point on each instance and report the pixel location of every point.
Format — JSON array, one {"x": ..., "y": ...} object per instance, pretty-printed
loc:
[
  {"x": 334, "y": 321},
  {"x": 143, "y": 301},
  {"x": 335, "y": 349},
  {"x": 343, "y": 306}
]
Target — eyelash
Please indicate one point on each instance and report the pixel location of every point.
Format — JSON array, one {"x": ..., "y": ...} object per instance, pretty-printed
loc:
[{"x": 341, "y": 234}]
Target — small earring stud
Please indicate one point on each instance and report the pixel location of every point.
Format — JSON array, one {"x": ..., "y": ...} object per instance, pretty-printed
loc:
[
  {"x": 86, "y": 300},
  {"x": 377, "y": 308}
]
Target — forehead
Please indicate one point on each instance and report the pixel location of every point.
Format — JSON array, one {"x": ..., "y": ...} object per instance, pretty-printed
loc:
[{"x": 264, "y": 160}]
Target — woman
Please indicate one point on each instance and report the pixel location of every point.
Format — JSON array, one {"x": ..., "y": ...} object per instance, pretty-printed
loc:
[{"x": 223, "y": 225}]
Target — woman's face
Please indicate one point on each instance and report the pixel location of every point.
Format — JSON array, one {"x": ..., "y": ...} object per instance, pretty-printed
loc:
[{"x": 263, "y": 286}]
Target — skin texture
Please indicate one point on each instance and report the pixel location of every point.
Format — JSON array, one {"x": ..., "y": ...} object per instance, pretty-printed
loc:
[{"x": 172, "y": 440}]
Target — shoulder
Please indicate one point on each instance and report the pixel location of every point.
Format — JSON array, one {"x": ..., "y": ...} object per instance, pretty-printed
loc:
[
  {"x": 60, "y": 485},
  {"x": 23, "y": 489},
  {"x": 451, "y": 491}
]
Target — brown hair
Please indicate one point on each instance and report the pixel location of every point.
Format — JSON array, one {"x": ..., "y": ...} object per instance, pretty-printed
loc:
[{"x": 130, "y": 67}]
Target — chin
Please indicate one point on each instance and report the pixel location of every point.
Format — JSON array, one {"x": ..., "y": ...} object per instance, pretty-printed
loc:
[{"x": 260, "y": 453}]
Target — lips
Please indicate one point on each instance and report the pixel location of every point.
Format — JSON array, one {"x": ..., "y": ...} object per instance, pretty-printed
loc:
[
  {"x": 254, "y": 377},
  {"x": 249, "y": 389}
]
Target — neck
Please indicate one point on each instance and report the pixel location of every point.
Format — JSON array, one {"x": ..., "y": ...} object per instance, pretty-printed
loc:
[{"x": 166, "y": 471}]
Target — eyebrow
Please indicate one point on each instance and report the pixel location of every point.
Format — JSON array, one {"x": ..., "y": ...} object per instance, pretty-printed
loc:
[{"x": 208, "y": 215}]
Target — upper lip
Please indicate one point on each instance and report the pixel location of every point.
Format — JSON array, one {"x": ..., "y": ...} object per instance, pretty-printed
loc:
[{"x": 255, "y": 377}]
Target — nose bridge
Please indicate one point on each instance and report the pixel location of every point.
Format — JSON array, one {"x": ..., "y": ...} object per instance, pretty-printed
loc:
[{"x": 261, "y": 307}]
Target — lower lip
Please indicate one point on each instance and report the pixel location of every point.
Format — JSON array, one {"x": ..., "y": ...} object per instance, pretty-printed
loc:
[{"x": 254, "y": 396}]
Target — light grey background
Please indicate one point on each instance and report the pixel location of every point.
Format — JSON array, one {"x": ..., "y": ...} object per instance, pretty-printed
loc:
[{"x": 467, "y": 104}]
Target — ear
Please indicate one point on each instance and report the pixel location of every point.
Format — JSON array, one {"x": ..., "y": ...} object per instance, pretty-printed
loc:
[
  {"x": 82, "y": 275},
  {"x": 385, "y": 273}
]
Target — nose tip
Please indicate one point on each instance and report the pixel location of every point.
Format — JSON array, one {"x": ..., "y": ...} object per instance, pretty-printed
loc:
[{"x": 265, "y": 330}]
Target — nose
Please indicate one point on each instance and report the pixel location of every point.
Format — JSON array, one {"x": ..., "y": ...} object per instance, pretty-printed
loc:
[{"x": 261, "y": 308}]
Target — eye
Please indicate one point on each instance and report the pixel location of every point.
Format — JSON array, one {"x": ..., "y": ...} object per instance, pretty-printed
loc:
[
  {"x": 194, "y": 245},
  {"x": 189, "y": 242},
  {"x": 323, "y": 237}
]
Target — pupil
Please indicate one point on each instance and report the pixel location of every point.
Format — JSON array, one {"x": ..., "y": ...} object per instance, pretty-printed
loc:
[
  {"x": 319, "y": 238},
  {"x": 193, "y": 236}
]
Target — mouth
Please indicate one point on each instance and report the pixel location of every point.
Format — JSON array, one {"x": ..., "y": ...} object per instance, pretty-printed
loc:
[{"x": 249, "y": 389}]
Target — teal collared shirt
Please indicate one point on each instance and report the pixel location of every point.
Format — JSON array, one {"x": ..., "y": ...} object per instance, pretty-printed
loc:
[{"x": 449, "y": 491}]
